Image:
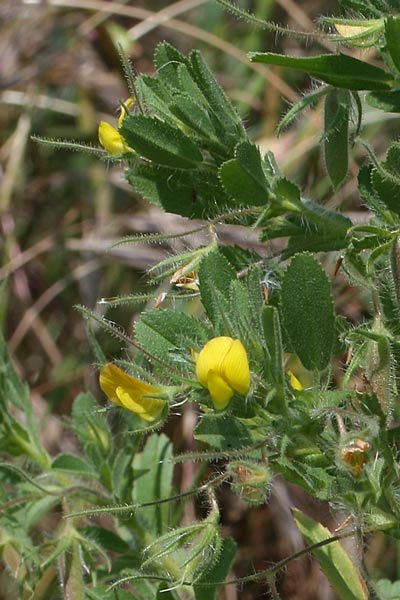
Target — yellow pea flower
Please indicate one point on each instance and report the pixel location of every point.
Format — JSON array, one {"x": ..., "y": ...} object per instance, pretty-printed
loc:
[
  {"x": 223, "y": 368},
  {"x": 294, "y": 382},
  {"x": 137, "y": 396},
  {"x": 109, "y": 136}
]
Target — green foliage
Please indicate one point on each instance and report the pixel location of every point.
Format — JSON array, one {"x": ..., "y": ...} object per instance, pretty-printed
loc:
[
  {"x": 388, "y": 590},
  {"x": 243, "y": 177},
  {"x": 152, "y": 472},
  {"x": 337, "y": 108},
  {"x": 387, "y": 101},
  {"x": 338, "y": 70},
  {"x": 307, "y": 309},
  {"x": 284, "y": 404},
  {"x": 218, "y": 573},
  {"x": 336, "y": 564},
  {"x": 392, "y": 32},
  {"x": 160, "y": 142}
]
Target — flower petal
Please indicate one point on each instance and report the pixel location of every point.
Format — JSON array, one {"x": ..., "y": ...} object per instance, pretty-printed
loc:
[
  {"x": 110, "y": 139},
  {"x": 294, "y": 382},
  {"x": 211, "y": 357},
  {"x": 220, "y": 391},
  {"x": 110, "y": 378},
  {"x": 147, "y": 408},
  {"x": 131, "y": 393},
  {"x": 127, "y": 104},
  {"x": 235, "y": 368}
]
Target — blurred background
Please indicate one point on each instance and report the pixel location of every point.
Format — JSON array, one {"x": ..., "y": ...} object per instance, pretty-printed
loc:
[{"x": 60, "y": 211}]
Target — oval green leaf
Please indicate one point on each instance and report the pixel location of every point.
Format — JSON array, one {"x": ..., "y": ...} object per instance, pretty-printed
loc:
[
  {"x": 160, "y": 142},
  {"x": 307, "y": 309}
]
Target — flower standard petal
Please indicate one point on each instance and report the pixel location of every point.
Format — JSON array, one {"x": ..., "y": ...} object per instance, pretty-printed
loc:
[
  {"x": 235, "y": 368},
  {"x": 223, "y": 368},
  {"x": 110, "y": 139},
  {"x": 110, "y": 378},
  {"x": 220, "y": 392},
  {"x": 294, "y": 382},
  {"x": 211, "y": 357}
]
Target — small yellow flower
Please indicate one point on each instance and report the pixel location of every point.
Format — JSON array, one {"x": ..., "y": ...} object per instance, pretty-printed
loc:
[
  {"x": 223, "y": 368},
  {"x": 109, "y": 137},
  {"x": 137, "y": 396},
  {"x": 294, "y": 382}
]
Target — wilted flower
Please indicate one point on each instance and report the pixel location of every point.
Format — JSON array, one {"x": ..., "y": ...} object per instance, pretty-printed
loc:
[
  {"x": 355, "y": 455},
  {"x": 137, "y": 396},
  {"x": 223, "y": 368},
  {"x": 109, "y": 136},
  {"x": 251, "y": 480}
]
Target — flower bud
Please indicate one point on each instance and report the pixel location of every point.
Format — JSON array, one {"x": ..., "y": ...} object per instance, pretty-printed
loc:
[
  {"x": 109, "y": 137},
  {"x": 251, "y": 481},
  {"x": 355, "y": 455}
]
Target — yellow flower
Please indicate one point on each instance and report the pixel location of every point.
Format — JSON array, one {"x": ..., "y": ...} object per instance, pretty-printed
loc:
[
  {"x": 223, "y": 368},
  {"x": 109, "y": 137},
  {"x": 137, "y": 396},
  {"x": 294, "y": 382}
]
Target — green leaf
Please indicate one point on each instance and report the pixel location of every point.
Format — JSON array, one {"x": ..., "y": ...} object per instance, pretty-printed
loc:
[
  {"x": 160, "y": 142},
  {"x": 334, "y": 561},
  {"x": 14, "y": 391},
  {"x": 153, "y": 472},
  {"x": 321, "y": 228},
  {"x": 392, "y": 35},
  {"x": 287, "y": 195},
  {"x": 328, "y": 219},
  {"x": 308, "y": 100},
  {"x": 385, "y": 179},
  {"x": 388, "y": 590},
  {"x": 169, "y": 335},
  {"x": 240, "y": 305},
  {"x": 90, "y": 426},
  {"x": 222, "y": 432},
  {"x": 274, "y": 365},
  {"x": 339, "y": 70},
  {"x": 155, "y": 96},
  {"x": 193, "y": 115},
  {"x": 336, "y": 135},
  {"x": 217, "y": 573},
  {"x": 106, "y": 539},
  {"x": 313, "y": 479},
  {"x": 188, "y": 85},
  {"x": 243, "y": 176},
  {"x": 195, "y": 195},
  {"x": 307, "y": 310},
  {"x": 231, "y": 126},
  {"x": 316, "y": 230},
  {"x": 215, "y": 277},
  {"x": 368, "y": 193},
  {"x": 122, "y": 472},
  {"x": 101, "y": 592},
  {"x": 167, "y": 59},
  {"x": 35, "y": 511},
  {"x": 387, "y": 101},
  {"x": 388, "y": 190},
  {"x": 72, "y": 464}
]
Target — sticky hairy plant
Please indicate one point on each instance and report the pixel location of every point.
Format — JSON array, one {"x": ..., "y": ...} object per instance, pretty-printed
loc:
[{"x": 256, "y": 345}]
